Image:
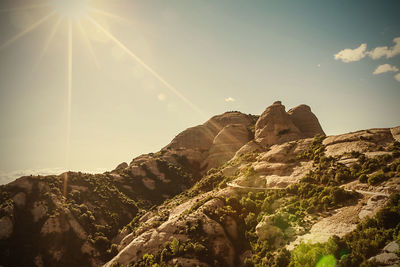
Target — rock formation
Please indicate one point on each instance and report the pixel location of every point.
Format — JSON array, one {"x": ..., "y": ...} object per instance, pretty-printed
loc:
[
  {"x": 276, "y": 126},
  {"x": 183, "y": 205},
  {"x": 305, "y": 121}
]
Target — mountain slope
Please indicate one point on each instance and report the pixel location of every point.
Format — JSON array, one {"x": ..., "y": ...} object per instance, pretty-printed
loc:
[{"x": 237, "y": 190}]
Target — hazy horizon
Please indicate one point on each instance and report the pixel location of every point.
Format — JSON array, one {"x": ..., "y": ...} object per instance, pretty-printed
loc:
[{"x": 340, "y": 58}]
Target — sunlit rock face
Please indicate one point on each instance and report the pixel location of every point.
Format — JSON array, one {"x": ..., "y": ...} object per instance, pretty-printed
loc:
[
  {"x": 214, "y": 142},
  {"x": 226, "y": 143},
  {"x": 305, "y": 121},
  {"x": 276, "y": 126}
]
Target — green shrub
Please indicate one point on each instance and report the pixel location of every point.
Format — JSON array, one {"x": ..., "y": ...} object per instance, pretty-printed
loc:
[
  {"x": 363, "y": 178},
  {"x": 308, "y": 255},
  {"x": 377, "y": 178}
]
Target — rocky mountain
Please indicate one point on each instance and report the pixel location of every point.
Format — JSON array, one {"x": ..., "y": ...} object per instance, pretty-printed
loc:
[{"x": 238, "y": 190}]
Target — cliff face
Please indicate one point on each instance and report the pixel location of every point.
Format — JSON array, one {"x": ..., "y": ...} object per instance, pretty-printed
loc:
[{"x": 239, "y": 188}]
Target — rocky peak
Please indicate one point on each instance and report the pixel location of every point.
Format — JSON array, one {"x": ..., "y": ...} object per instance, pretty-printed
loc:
[
  {"x": 305, "y": 121},
  {"x": 201, "y": 137},
  {"x": 276, "y": 126}
]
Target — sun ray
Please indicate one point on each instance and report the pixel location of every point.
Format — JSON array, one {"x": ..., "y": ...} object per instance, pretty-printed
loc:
[
  {"x": 48, "y": 41},
  {"x": 108, "y": 14},
  {"x": 89, "y": 44},
  {"x": 13, "y": 9},
  {"x": 147, "y": 67},
  {"x": 69, "y": 97},
  {"x": 27, "y": 30}
]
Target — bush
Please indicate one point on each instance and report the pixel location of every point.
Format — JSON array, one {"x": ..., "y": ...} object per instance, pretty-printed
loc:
[
  {"x": 101, "y": 242},
  {"x": 377, "y": 178},
  {"x": 308, "y": 255},
  {"x": 363, "y": 178}
]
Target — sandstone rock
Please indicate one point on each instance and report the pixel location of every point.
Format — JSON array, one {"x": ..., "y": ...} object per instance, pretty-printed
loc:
[
  {"x": 78, "y": 229},
  {"x": 360, "y": 141},
  {"x": 305, "y": 121},
  {"x": 392, "y": 247},
  {"x": 217, "y": 123},
  {"x": 266, "y": 168},
  {"x": 198, "y": 137},
  {"x": 231, "y": 227},
  {"x": 279, "y": 153},
  {"x": 275, "y": 126},
  {"x": 20, "y": 199},
  {"x": 149, "y": 183},
  {"x": 137, "y": 171},
  {"x": 54, "y": 225},
  {"x": 250, "y": 147},
  {"x": 386, "y": 259},
  {"x": 6, "y": 227},
  {"x": 121, "y": 166},
  {"x": 23, "y": 183},
  {"x": 39, "y": 210},
  {"x": 266, "y": 230},
  {"x": 226, "y": 143},
  {"x": 223, "y": 248},
  {"x": 375, "y": 136},
  {"x": 374, "y": 204},
  {"x": 396, "y": 133}
]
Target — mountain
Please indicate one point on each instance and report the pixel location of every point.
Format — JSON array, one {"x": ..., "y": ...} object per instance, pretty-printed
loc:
[{"x": 238, "y": 190}]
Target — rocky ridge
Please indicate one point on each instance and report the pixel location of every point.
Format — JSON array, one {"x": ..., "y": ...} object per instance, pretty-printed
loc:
[{"x": 237, "y": 190}]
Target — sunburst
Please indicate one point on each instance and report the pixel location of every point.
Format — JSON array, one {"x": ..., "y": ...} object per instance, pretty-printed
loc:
[{"x": 77, "y": 14}]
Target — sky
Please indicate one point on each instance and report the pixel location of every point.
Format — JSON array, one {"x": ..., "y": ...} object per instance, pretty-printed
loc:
[{"x": 125, "y": 76}]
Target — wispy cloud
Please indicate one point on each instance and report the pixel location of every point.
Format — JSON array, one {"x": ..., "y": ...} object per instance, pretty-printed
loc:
[
  {"x": 230, "y": 99},
  {"x": 350, "y": 55},
  {"x": 384, "y": 51},
  {"x": 385, "y": 68}
]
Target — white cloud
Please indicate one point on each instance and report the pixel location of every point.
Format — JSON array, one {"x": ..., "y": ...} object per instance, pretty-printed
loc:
[
  {"x": 350, "y": 55},
  {"x": 161, "y": 97},
  {"x": 384, "y": 51},
  {"x": 397, "y": 77},
  {"x": 230, "y": 99},
  {"x": 385, "y": 68}
]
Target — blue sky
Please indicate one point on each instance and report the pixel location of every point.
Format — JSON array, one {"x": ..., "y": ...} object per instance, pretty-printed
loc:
[{"x": 250, "y": 52}]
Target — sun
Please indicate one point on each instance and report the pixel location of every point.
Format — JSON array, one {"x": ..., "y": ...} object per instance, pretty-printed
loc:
[
  {"x": 70, "y": 9},
  {"x": 82, "y": 15}
]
